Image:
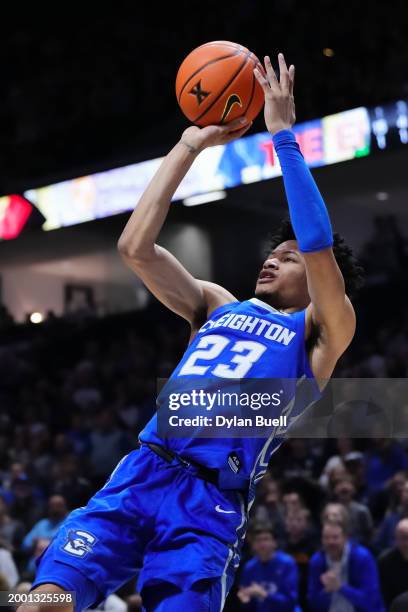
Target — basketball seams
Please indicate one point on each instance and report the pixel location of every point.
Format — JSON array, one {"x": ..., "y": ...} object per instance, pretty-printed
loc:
[
  {"x": 252, "y": 94},
  {"x": 229, "y": 45},
  {"x": 213, "y": 61},
  {"x": 242, "y": 75},
  {"x": 253, "y": 85},
  {"x": 232, "y": 79}
]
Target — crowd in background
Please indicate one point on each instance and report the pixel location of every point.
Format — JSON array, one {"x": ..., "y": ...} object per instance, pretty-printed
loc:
[
  {"x": 76, "y": 391},
  {"x": 329, "y": 529}
]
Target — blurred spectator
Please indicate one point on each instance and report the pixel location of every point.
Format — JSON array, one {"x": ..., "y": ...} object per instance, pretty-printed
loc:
[
  {"x": 344, "y": 446},
  {"x": 47, "y": 527},
  {"x": 4, "y": 586},
  {"x": 400, "y": 604},
  {"x": 40, "y": 545},
  {"x": 68, "y": 482},
  {"x": 374, "y": 364},
  {"x": 336, "y": 474},
  {"x": 8, "y": 568},
  {"x": 361, "y": 523},
  {"x": 86, "y": 393},
  {"x": 389, "y": 498},
  {"x": 355, "y": 466},
  {"x": 40, "y": 450},
  {"x": 384, "y": 256},
  {"x": 393, "y": 565},
  {"x": 16, "y": 470},
  {"x": 269, "y": 581},
  {"x": 292, "y": 502},
  {"x": 383, "y": 461},
  {"x": 268, "y": 506},
  {"x": 80, "y": 303},
  {"x": 334, "y": 512},
  {"x": 394, "y": 489},
  {"x": 11, "y": 531},
  {"x": 343, "y": 576},
  {"x": 301, "y": 543},
  {"x": 386, "y": 531},
  {"x": 108, "y": 445},
  {"x": 27, "y": 505},
  {"x": 297, "y": 459},
  {"x": 302, "y": 492},
  {"x": 78, "y": 434}
]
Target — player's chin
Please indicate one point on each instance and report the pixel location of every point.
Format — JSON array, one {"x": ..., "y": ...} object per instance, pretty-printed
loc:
[{"x": 263, "y": 289}]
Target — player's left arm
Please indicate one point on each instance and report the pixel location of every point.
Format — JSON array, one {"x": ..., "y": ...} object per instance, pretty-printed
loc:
[{"x": 330, "y": 312}]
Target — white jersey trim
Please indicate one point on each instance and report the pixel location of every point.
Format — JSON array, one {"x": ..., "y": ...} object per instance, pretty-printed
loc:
[{"x": 266, "y": 306}]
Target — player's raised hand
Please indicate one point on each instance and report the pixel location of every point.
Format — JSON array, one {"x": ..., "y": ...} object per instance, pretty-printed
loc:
[
  {"x": 279, "y": 102},
  {"x": 200, "y": 138}
]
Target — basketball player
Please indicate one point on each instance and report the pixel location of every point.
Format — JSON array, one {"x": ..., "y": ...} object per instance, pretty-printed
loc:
[{"x": 178, "y": 507}]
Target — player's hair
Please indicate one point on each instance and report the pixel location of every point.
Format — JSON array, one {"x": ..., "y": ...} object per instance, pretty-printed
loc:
[{"x": 352, "y": 272}]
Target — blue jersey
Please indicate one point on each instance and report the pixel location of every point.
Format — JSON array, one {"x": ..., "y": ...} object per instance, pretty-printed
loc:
[
  {"x": 242, "y": 340},
  {"x": 182, "y": 528}
]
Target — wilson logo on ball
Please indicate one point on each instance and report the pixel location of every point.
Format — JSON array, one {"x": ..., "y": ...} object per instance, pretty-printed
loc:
[
  {"x": 232, "y": 99},
  {"x": 199, "y": 93}
]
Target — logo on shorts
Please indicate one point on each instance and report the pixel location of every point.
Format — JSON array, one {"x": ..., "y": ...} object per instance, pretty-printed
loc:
[
  {"x": 234, "y": 462},
  {"x": 79, "y": 543},
  {"x": 219, "y": 509}
]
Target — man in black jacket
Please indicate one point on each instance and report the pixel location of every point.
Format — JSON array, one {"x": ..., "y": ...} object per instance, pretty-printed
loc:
[{"x": 393, "y": 565}]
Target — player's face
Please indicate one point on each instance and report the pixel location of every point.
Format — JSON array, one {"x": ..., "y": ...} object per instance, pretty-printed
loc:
[{"x": 282, "y": 279}]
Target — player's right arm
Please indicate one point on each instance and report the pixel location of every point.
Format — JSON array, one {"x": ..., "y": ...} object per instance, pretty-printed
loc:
[{"x": 159, "y": 270}]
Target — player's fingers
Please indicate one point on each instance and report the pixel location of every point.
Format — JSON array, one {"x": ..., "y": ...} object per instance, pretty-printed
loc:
[
  {"x": 262, "y": 81},
  {"x": 291, "y": 79},
  {"x": 236, "y": 124},
  {"x": 270, "y": 73},
  {"x": 283, "y": 74},
  {"x": 234, "y": 134}
]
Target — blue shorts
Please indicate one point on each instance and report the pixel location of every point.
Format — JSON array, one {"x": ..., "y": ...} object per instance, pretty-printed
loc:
[{"x": 159, "y": 518}]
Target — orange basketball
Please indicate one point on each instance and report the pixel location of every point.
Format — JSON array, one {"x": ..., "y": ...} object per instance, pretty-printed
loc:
[{"x": 216, "y": 84}]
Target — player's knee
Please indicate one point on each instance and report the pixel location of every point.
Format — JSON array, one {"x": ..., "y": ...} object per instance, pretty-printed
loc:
[{"x": 46, "y": 594}]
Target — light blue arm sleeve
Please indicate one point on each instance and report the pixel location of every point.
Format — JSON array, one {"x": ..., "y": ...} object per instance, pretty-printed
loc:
[{"x": 308, "y": 213}]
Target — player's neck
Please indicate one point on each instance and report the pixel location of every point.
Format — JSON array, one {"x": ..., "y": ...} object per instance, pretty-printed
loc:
[{"x": 270, "y": 302}]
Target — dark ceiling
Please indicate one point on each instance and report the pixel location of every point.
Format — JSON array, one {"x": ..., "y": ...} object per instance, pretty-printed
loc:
[{"x": 90, "y": 87}]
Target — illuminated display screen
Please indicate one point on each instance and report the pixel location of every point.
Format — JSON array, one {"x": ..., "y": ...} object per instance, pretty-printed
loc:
[
  {"x": 333, "y": 139},
  {"x": 14, "y": 214}
]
